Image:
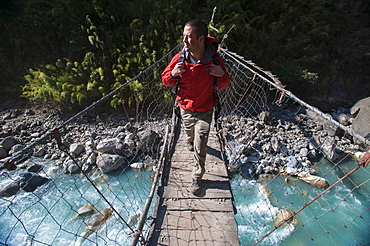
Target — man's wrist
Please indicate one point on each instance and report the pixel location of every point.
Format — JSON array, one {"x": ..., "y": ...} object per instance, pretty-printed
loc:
[
  {"x": 222, "y": 75},
  {"x": 173, "y": 76}
]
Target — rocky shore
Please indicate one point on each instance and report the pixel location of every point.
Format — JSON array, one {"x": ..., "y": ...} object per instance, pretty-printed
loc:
[
  {"x": 290, "y": 140},
  {"x": 286, "y": 140},
  {"x": 104, "y": 142}
]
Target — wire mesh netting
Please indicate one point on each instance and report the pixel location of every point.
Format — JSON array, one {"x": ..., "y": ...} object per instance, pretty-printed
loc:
[
  {"x": 86, "y": 180},
  {"x": 284, "y": 155}
]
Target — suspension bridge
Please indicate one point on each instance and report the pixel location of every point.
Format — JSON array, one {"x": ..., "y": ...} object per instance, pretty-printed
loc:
[
  {"x": 185, "y": 219},
  {"x": 255, "y": 166}
]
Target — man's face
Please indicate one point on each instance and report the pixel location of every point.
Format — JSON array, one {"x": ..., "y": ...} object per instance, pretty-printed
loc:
[{"x": 191, "y": 42}]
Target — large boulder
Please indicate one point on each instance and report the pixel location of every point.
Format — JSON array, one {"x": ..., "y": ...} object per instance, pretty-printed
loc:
[
  {"x": 329, "y": 149},
  {"x": 35, "y": 168},
  {"x": 111, "y": 146},
  {"x": 313, "y": 180},
  {"x": 248, "y": 170},
  {"x": 286, "y": 215},
  {"x": 110, "y": 162},
  {"x": 30, "y": 181},
  {"x": 10, "y": 189},
  {"x": 70, "y": 167},
  {"x": 361, "y": 113},
  {"x": 9, "y": 164},
  {"x": 8, "y": 142},
  {"x": 76, "y": 148},
  {"x": 39, "y": 152},
  {"x": 148, "y": 140},
  {"x": 3, "y": 152},
  {"x": 327, "y": 145}
]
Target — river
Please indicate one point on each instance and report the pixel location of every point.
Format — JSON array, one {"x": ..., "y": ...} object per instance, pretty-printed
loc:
[
  {"x": 49, "y": 213},
  {"x": 339, "y": 217}
]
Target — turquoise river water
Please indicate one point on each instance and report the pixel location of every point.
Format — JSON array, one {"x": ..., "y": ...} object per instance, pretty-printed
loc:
[{"x": 340, "y": 217}]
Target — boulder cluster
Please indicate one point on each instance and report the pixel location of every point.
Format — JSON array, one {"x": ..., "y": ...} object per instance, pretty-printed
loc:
[
  {"x": 119, "y": 146},
  {"x": 105, "y": 143},
  {"x": 286, "y": 140}
]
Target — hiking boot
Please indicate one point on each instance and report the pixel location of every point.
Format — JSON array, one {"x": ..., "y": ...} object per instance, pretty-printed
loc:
[
  {"x": 190, "y": 146},
  {"x": 195, "y": 186}
]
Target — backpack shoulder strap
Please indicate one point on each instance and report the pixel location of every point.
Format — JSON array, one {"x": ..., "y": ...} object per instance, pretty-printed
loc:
[
  {"x": 215, "y": 61},
  {"x": 182, "y": 56},
  {"x": 181, "y": 59},
  {"x": 215, "y": 58}
]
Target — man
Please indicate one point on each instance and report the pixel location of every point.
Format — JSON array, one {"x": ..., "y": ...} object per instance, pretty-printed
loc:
[{"x": 197, "y": 74}]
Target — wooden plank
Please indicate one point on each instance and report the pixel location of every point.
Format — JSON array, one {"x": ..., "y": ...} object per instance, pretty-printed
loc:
[
  {"x": 204, "y": 237},
  {"x": 214, "y": 172},
  {"x": 182, "y": 165},
  {"x": 185, "y": 162},
  {"x": 196, "y": 220},
  {"x": 183, "y": 156},
  {"x": 219, "y": 205},
  {"x": 210, "y": 189}
]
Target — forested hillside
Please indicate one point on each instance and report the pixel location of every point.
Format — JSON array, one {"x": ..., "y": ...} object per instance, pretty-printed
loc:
[{"x": 74, "y": 52}]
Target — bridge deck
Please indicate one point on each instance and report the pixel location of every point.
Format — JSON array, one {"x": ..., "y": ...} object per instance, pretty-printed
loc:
[{"x": 185, "y": 219}]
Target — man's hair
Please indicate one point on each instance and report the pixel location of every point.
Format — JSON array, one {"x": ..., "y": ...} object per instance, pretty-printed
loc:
[{"x": 200, "y": 28}]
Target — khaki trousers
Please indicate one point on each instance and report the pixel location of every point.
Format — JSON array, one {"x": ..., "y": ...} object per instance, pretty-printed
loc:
[{"x": 197, "y": 126}]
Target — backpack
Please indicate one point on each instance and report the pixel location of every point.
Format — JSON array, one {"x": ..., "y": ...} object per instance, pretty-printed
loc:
[
  {"x": 214, "y": 57},
  {"x": 214, "y": 61}
]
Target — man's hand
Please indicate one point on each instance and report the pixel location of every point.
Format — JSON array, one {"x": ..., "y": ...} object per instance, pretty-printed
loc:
[
  {"x": 178, "y": 69},
  {"x": 216, "y": 70}
]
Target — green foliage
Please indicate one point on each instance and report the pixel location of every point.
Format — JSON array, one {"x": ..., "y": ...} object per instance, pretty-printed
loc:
[
  {"x": 92, "y": 47},
  {"x": 67, "y": 82},
  {"x": 115, "y": 51},
  {"x": 312, "y": 77},
  {"x": 290, "y": 38}
]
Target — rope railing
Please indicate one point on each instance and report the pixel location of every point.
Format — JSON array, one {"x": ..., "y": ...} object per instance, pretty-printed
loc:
[
  {"x": 132, "y": 145},
  {"x": 267, "y": 129},
  {"x": 276, "y": 84},
  {"x": 143, "y": 218}
]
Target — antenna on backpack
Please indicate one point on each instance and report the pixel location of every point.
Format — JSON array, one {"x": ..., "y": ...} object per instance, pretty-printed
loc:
[
  {"x": 211, "y": 22},
  {"x": 222, "y": 44}
]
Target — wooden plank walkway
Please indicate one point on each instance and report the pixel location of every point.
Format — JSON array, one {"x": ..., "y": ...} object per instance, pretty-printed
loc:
[{"x": 185, "y": 219}]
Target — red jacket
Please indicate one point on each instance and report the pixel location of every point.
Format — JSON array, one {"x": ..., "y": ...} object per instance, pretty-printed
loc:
[{"x": 196, "y": 89}]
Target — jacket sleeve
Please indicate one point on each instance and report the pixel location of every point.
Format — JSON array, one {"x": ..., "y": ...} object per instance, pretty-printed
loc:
[
  {"x": 223, "y": 82},
  {"x": 167, "y": 78}
]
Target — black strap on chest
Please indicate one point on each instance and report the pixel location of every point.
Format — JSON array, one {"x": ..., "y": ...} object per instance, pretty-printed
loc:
[
  {"x": 182, "y": 58},
  {"x": 215, "y": 56}
]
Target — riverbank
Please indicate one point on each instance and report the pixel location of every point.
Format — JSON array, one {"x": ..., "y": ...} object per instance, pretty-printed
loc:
[{"x": 287, "y": 139}]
